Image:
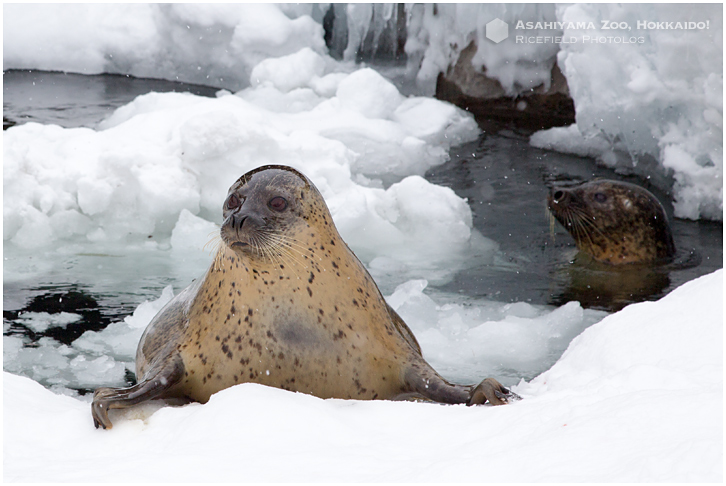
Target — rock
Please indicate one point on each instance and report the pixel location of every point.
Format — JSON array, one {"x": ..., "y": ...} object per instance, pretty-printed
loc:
[{"x": 484, "y": 97}]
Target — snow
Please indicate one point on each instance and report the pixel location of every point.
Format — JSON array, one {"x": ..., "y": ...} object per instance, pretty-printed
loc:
[
  {"x": 636, "y": 397},
  {"x": 570, "y": 140},
  {"x": 660, "y": 100},
  {"x": 168, "y": 154},
  {"x": 215, "y": 45},
  {"x": 288, "y": 72},
  {"x": 437, "y": 35},
  {"x": 653, "y": 108},
  {"x": 366, "y": 92}
]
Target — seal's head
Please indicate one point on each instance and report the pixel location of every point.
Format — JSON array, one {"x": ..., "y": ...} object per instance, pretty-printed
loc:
[
  {"x": 614, "y": 222},
  {"x": 267, "y": 207}
]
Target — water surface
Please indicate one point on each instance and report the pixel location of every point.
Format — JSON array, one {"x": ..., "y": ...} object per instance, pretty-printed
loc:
[{"x": 506, "y": 182}]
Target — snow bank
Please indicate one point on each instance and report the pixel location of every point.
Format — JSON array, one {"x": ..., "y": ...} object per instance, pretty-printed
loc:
[
  {"x": 220, "y": 45},
  {"x": 653, "y": 107},
  {"x": 636, "y": 397},
  {"x": 215, "y": 45},
  {"x": 660, "y": 98},
  {"x": 166, "y": 154},
  {"x": 438, "y": 33}
]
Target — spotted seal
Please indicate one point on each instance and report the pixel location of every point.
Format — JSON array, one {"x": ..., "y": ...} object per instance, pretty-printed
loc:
[
  {"x": 614, "y": 222},
  {"x": 286, "y": 304}
]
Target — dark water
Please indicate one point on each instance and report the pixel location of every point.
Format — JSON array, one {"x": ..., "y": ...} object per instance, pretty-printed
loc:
[
  {"x": 504, "y": 179},
  {"x": 506, "y": 182},
  {"x": 75, "y": 100}
]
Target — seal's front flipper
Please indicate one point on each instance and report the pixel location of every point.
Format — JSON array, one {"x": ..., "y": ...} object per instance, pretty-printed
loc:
[
  {"x": 492, "y": 391},
  {"x": 155, "y": 383}
]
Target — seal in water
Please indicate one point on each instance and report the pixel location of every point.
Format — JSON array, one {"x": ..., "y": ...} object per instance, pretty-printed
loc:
[
  {"x": 614, "y": 222},
  {"x": 286, "y": 304}
]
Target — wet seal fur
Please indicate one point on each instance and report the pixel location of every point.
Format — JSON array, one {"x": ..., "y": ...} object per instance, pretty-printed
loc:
[
  {"x": 286, "y": 304},
  {"x": 614, "y": 222}
]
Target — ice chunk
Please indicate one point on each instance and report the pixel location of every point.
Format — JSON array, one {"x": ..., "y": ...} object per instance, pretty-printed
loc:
[
  {"x": 289, "y": 72},
  {"x": 119, "y": 340},
  {"x": 11, "y": 346},
  {"x": 467, "y": 339},
  {"x": 434, "y": 122},
  {"x": 42, "y": 321},
  {"x": 569, "y": 140},
  {"x": 192, "y": 233},
  {"x": 368, "y": 93},
  {"x": 97, "y": 372}
]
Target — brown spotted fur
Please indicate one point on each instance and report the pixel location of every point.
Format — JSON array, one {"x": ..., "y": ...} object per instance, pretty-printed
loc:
[
  {"x": 299, "y": 312},
  {"x": 614, "y": 222}
]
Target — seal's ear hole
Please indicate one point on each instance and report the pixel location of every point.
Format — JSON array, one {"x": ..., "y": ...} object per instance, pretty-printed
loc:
[
  {"x": 600, "y": 197},
  {"x": 233, "y": 202},
  {"x": 278, "y": 203}
]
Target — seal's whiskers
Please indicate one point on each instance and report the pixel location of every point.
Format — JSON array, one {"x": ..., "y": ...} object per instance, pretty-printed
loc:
[{"x": 551, "y": 218}]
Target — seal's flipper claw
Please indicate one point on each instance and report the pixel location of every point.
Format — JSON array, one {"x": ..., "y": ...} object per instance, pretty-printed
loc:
[
  {"x": 156, "y": 382},
  {"x": 490, "y": 390},
  {"x": 508, "y": 396},
  {"x": 99, "y": 408}
]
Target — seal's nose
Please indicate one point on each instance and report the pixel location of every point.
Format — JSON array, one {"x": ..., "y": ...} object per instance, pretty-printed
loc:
[
  {"x": 245, "y": 219},
  {"x": 559, "y": 195},
  {"x": 238, "y": 220},
  {"x": 558, "y": 199}
]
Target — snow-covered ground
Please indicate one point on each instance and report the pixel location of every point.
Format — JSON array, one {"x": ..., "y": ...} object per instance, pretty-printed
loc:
[{"x": 636, "y": 397}]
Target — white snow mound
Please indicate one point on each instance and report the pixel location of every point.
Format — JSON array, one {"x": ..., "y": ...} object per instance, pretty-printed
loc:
[{"x": 637, "y": 397}]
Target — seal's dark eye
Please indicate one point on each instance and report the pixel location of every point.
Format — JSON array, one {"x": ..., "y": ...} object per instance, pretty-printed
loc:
[
  {"x": 278, "y": 204},
  {"x": 233, "y": 202},
  {"x": 600, "y": 197}
]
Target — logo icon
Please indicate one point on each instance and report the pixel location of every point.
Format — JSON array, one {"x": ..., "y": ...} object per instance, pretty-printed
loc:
[{"x": 497, "y": 30}]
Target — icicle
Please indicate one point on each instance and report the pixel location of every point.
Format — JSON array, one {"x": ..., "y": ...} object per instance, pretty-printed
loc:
[
  {"x": 378, "y": 22},
  {"x": 359, "y": 20}
]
